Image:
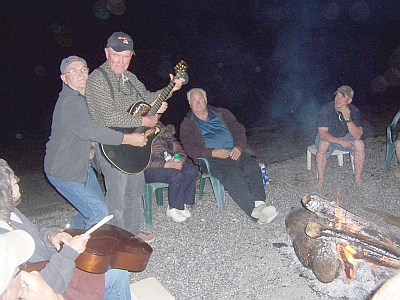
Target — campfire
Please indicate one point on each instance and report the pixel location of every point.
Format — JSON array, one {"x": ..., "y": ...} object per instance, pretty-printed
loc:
[{"x": 334, "y": 243}]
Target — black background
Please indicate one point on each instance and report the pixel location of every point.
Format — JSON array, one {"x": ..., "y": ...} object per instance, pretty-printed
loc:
[{"x": 263, "y": 60}]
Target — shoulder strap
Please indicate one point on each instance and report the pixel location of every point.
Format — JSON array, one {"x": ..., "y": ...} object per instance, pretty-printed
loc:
[{"x": 108, "y": 81}]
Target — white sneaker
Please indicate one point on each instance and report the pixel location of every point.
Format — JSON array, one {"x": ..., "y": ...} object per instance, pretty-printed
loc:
[
  {"x": 256, "y": 213},
  {"x": 187, "y": 212},
  {"x": 268, "y": 214},
  {"x": 176, "y": 214}
]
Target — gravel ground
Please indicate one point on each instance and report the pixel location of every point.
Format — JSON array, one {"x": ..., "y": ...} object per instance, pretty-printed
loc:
[{"x": 223, "y": 254}]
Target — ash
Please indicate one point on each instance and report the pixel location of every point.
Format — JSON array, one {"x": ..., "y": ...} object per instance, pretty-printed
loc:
[{"x": 366, "y": 280}]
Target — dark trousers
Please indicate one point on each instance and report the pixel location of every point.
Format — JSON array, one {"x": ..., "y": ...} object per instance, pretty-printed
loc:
[
  {"x": 242, "y": 178},
  {"x": 182, "y": 183}
]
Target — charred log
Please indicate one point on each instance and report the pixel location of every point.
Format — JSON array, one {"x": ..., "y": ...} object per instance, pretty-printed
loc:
[
  {"x": 347, "y": 221},
  {"x": 315, "y": 254}
]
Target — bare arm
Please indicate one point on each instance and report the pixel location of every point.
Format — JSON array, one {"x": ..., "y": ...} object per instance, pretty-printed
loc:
[
  {"x": 353, "y": 129},
  {"x": 324, "y": 135}
]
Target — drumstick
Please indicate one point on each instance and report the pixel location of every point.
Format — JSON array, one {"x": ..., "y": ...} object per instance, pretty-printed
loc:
[{"x": 101, "y": 223}]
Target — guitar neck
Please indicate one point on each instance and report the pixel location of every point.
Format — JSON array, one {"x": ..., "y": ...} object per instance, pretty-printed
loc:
[{"x": 163, "y": 96}]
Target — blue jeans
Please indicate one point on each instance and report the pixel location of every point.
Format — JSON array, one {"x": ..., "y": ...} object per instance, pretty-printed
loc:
[
  {"x": 117, "y": 285},
  {"x": 182, "y": 183},
  {"x": 86, "y": 197}
]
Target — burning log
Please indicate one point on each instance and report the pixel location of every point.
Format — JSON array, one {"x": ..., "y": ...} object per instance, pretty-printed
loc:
[
  {"x": 347, "y": 221},
  {"x": 315, "y": 230},
  {"x": 371, "y": 250}
]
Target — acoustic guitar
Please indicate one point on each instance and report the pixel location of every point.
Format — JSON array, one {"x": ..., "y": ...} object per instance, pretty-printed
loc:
[
  {"x": 130, "y": 159},
  {"x": 109, "y": 247}
]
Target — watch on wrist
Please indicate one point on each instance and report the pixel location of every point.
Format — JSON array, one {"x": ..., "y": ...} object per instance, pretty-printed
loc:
[{"x": 348, "y": 120}]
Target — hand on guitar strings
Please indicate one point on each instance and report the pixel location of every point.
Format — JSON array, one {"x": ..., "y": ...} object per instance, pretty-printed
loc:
[
  {"x": 149, "y": 121},
  {"x": 135, "y": 139},
  {"x": 163, "y": 108},
  {"x": 78, "y": 243}
]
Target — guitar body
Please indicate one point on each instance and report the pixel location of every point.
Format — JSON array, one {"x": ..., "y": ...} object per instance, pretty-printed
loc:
[
  {"x": 111, "y": 247},
  {"x": 130, "y": 159}
]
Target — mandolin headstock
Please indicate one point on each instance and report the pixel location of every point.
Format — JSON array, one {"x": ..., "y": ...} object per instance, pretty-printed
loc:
[{"x": 180, "y": 69}]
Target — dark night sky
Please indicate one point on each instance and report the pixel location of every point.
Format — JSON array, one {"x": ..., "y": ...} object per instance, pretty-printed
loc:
[{"x": 261, "y": 59}]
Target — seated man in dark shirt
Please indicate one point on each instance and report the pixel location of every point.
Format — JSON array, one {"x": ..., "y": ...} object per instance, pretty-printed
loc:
[
  {"x": 339, "y": 128},
  {"x": 214, "y": 133}
]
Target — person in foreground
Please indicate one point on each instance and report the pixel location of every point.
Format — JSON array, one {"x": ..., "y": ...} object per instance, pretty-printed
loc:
[
  {"x": 214, "y": 133},
  {"x": 110, "y": 92},
  {"x": 69, "y": 151},
  {"x": 166, "y": 167},
  {"x": 16, "y": 247},
  {"x": 60, "y": 272},
  {"x": 340, "y": 128}
]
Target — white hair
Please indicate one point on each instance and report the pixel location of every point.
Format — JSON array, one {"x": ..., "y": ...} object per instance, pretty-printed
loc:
[{"x": 189, "y": 94}]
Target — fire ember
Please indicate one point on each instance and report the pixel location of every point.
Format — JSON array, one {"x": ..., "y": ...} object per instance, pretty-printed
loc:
[{"x": 336, "y": 244}]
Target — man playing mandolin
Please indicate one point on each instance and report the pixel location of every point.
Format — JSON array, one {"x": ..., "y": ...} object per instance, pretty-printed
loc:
[{"x": 110, "y": 93}]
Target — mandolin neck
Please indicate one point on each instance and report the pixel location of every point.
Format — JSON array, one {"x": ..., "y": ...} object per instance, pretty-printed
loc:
[{"x": 163, "y": 96}]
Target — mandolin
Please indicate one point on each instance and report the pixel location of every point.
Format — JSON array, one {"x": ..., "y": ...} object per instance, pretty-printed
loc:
[
  {"x": 109, "y": 247},
  {"x": 130, "y": 159}
]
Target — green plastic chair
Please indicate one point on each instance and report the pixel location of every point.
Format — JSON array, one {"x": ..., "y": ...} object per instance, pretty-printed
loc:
[
  {"x": 390, "y": 149},
  {"x": 149, "y": 188},
  {"x": 218, "y": 188}
]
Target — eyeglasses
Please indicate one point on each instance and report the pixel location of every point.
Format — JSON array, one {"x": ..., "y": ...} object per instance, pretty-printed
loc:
[
  {"x": 77, "y": 71},
  {"x": 16, "y": 178}
]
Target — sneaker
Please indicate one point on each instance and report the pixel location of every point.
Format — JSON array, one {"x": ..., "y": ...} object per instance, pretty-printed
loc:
[
  {"x": 176, "y": 214},
  {"x": 187, "y": 212},
  {"x": 147, "y": 237},
  {"x": 268, "y": 214},
  {"x": 256, "y": 213}
]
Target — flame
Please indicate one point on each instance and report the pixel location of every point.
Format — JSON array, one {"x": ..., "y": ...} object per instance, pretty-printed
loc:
[{"x": 348, "y": 256}]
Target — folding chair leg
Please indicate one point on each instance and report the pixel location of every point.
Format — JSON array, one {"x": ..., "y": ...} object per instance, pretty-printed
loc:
[
  {"x": 388, "y": 158},
  {"x": 340, "y": 160},
  {"x": 159, "y": 196},
  {"x": 201, "y": 187},
  {"x": 219, "y": 192},
  {"x": 308, "y": 160}
]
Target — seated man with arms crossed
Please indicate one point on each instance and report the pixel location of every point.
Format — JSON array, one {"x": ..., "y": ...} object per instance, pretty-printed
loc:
[{"x": 214, "y": 133}]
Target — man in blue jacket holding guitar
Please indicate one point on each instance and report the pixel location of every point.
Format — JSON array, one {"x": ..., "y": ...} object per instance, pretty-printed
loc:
[{"x": 111, "y": 93}]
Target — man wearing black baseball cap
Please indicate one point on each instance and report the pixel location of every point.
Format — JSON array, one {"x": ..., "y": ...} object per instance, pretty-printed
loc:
[
  {"x": 111, "y": 90},
  {"x": 340, "y": 128}
]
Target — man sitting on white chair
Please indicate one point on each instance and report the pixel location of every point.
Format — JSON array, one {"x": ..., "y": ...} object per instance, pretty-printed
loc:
[{"x": 339, "y": 128}]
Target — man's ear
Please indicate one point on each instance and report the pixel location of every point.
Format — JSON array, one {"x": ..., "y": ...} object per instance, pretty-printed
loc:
[
  {"x": 350, "y": 99},
  {"x": 63, "y": 78},
  {"x": 106, "y": 52}
]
